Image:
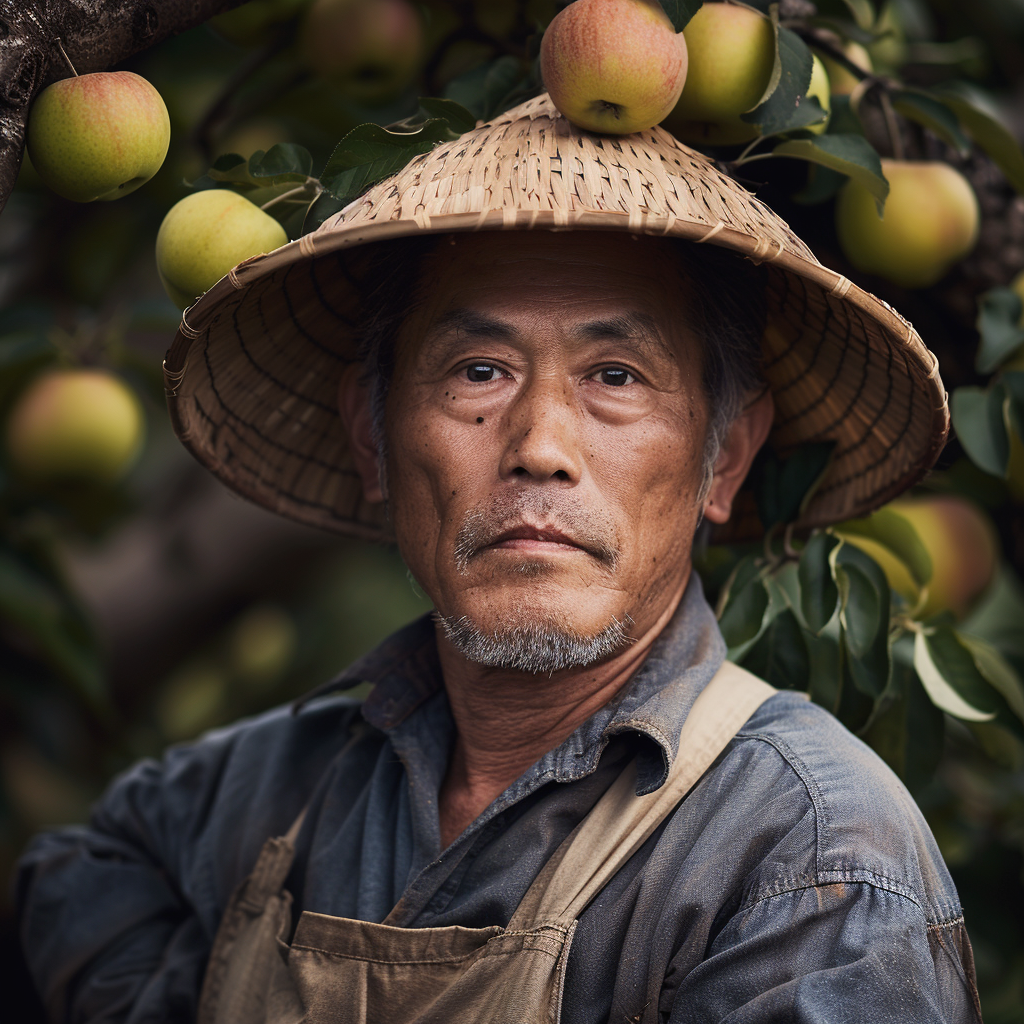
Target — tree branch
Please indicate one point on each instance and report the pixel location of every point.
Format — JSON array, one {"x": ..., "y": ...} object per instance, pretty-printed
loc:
[{"x": 96, "y": 34}]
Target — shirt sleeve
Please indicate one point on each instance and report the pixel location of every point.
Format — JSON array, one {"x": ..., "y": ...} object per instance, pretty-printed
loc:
[
  {"x": 830, "y": 953},
  {"x": 118, "y": 917}
]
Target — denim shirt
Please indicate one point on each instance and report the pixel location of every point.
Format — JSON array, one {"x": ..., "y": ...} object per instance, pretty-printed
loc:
[{"x": 797, "y": 881}]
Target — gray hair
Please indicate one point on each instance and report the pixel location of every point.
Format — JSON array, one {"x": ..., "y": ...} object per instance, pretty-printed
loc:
[{"x": 727, "y": 292}]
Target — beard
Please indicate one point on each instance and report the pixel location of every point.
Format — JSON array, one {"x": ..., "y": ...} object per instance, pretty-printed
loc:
[
  {"x": 529, "y": 639},
  {"x": 534, "y": 647}
]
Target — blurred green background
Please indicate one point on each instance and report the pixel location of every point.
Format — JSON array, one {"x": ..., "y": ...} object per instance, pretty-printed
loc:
[{"x": 140, "y": 614}]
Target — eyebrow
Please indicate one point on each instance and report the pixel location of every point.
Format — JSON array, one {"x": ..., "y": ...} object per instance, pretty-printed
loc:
[
  {"x": 634, "y": 327},
  {"x": 637, "y": 328}
]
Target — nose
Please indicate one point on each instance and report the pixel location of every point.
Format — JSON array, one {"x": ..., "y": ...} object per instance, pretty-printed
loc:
[{"x": 544, "y": 429}]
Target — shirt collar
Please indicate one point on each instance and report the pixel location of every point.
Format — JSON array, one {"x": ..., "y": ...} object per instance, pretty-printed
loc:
[{"x": 405, "y": 673}]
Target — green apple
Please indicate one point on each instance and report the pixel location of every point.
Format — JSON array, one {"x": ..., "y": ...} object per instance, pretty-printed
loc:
[
  {"x": 732, "y": 53},
  {"x": 256, "y": 22},
  {"x": 931, "y": 221},
  {"x": 372, "y": 48},
  {"x": 844, "y": 81},
  {"x": 819, "y": 89},
  {"x": 75, "y": 425},
  {"x": 614, "y": 66},
  {"x": 98, "y": 136},
  {"x": 205, "y": 235}
]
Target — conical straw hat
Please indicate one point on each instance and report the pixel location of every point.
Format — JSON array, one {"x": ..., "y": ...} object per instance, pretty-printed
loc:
[{"x": 252, "y": 375}]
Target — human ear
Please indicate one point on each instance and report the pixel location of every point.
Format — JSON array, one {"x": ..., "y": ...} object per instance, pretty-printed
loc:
[
  {"x": 746, "y": 435},
  {"x": 357, "y": 418}
]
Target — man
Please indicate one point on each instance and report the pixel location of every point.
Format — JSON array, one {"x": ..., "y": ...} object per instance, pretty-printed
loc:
[{"x": 541, "y": 421}]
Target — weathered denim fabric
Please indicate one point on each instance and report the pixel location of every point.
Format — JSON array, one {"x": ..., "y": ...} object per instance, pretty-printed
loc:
[{"x": 797, "y": 881}]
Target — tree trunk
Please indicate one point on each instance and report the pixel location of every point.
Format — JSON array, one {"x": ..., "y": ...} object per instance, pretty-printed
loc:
[{"x": 95, "y": 34}]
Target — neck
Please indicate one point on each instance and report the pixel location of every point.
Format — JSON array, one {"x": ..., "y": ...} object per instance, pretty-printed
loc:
[{"x": 507, "y": 720}]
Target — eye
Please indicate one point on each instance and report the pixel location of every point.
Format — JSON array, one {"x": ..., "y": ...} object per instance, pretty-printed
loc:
[
  {"x": 616, "y": 376},
  {"x": 481, "y": 372}
]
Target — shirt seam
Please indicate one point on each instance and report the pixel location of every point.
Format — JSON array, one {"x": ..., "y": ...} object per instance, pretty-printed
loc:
[
  {"x": 822, "y": 811},
  {"x": 858, "y": 876}
]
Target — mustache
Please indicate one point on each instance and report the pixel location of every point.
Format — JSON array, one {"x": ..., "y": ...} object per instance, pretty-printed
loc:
[{"x": 587, "y": 528}]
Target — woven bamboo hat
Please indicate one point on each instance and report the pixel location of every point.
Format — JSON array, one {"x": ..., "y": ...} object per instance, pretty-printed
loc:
[{"x": 252, "y": 375}]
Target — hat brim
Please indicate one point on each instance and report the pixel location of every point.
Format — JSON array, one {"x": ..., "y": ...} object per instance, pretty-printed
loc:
[{"x": 252, "y": 375}]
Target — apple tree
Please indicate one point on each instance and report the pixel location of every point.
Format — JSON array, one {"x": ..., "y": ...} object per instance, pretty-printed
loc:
[{"x": 138, "y": 606}]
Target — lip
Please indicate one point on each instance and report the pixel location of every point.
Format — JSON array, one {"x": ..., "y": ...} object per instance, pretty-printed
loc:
[{"x": 534, "y": 538}]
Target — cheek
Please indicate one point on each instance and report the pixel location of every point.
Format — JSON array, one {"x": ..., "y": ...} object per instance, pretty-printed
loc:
[{"x": 433, "y": 463}]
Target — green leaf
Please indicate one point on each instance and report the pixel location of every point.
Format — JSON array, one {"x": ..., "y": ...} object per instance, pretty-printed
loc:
[
  {"x": 895, "y": 532},
  {"x": 1013, "y": 410},
  {"x": 681, "y": 11},
  {"x": 929, "y": 110},
  {"x": 999, "y": 673},
  {"x": 369, "y": 154},
  {"x": 860, "y": 611},
  {"x": 948, "y": 672},
  {"x": 325, "y": 205},
  {"x": 458, "y": 117},
  {"x": 864, "y": 618},
  {"x": 785, "y": 105},
  {"x": 745, "y": 601},
  {"x": 780, "y": 655},
  {"x": 851, "y": 155},
  {"x": 978, "y": 418},
  {"x": 999, "y": 317},
  {"x": 989, "y": 134},
  {"x": 284, "y": 161},
  {"x": 783, "y": 487},
  {"x": 819, "y": 594},
  {"x": 482, "y": 90}
]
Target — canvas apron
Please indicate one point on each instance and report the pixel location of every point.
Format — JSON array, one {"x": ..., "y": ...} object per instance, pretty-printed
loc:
[{"x": 344, "y": 971}]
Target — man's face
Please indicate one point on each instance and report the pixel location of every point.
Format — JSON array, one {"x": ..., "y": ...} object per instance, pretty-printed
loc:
[{"x": 545, "y": 429}]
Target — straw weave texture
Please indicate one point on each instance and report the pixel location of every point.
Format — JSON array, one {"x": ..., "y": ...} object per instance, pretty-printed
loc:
[{"x": 252, "y": 375}]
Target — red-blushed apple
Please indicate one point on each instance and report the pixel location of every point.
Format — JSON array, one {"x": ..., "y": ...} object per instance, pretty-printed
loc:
[
  {"x": 930, "y": 222},
  {"x": 75, "y": 425},
  {"x": 98, "y": 136},
  {"x": 372, "y": 48},
  {"x": 613, "y": 66},
  {"x": 205, "y": 235},
  {"x": 963, "y": 547},
  {"x": 732, "y": 53}
]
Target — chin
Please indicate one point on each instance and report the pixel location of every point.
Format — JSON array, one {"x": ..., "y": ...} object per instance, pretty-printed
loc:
[{"x": 528, "y": 638}]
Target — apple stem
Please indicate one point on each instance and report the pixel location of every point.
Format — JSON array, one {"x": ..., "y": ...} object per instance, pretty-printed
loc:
[
  {"x": 294, "y": 191},
  {"x": 64, "y": 54}
]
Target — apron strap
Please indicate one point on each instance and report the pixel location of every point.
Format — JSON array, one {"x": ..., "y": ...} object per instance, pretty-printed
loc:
[{"x": 621, "y": 821}]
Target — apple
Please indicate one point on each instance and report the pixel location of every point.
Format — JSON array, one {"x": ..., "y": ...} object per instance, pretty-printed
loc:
[
  {"x": 256, "y": 22},
  {"x": 370, "y": 47},
  {"x": 732, "y": 53},
  {"x": 818, "y": 87},
  {"x": 963, "y": 547},
  {"x": 98, "y": 136},
  {"x": 931, "y": 221},
  {"x": 205, "y": 235},
  {"x": 75, "y": 425},
  {"x": 613, "y": 66},
  {"x": 844, "y": 81}
]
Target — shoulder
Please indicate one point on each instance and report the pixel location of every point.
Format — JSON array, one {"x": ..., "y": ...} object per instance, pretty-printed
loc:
[
  {"x": 230, "y": 789},
  {"x": 858, "y": 822}
]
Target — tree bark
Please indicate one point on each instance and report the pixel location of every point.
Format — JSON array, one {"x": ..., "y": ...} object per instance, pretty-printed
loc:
[{"x": 95, "y": 34}]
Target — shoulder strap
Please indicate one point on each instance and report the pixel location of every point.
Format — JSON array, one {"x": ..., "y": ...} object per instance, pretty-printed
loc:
[{"x": 621, "y": 821}]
